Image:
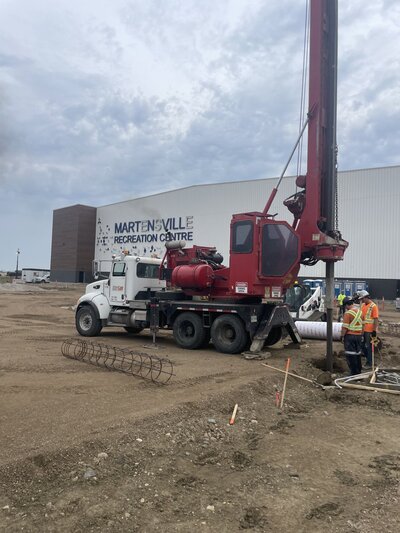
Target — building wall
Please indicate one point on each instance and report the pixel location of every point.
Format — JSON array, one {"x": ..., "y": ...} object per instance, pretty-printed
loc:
[
  {"x": 73, "y": 243},
  {"x": 369, "y": 217},
  {"x": 199, "y": 214}
]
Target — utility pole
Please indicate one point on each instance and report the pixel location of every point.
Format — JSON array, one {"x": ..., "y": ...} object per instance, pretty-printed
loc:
[{"x": 16, "y": 269}]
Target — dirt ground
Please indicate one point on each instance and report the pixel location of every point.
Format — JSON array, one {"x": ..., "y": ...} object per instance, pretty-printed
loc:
[{"x": 87, "y": 449}]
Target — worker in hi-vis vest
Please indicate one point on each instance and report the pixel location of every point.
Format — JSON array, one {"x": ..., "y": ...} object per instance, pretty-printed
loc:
[
  {"x": 340, "y": 297},
  {"x": 351, "y": 335},
  {"x": 370, "y": 316}
]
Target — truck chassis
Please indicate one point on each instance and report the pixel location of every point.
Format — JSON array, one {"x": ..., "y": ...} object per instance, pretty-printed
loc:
[{"x": 232, "y": 328}]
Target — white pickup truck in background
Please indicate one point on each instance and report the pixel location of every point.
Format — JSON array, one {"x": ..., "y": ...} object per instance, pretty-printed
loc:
[
  {"x": 35, "y": 275},
  {"x": 42, "y": 279}
]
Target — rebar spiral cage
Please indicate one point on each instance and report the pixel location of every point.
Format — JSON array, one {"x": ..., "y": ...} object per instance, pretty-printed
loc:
[{"x": 156, "y": 369}]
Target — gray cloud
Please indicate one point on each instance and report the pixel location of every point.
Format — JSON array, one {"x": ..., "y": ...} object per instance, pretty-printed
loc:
[{"x": 103, "y": 101}]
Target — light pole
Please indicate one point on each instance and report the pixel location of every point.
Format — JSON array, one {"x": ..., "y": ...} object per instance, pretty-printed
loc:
[{"x": 16, "y": 270}]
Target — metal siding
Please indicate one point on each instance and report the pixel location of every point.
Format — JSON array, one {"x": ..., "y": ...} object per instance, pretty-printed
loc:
[{"x": 369, "y": 213}]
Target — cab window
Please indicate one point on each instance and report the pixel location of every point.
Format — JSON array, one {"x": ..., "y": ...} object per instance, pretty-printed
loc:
[
  {"x": 242, "y": 239},
  {"x": 144, "y": 270},
  {"x": 119, "y": 269}
]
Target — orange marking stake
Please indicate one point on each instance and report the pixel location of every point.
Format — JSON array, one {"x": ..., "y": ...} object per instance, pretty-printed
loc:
[
  {"x": 277, "y": 398},
  {"x": 232, "y": 420},
  {"x": 284, "y": 383}
]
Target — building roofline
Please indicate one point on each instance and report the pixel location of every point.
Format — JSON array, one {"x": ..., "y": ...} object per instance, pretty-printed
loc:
[
  {"x": 370, "y": 168},
  {"x": 30, "y": 268},
  {"x": 197, "y": 185},
  {"x": 75, "y": 205}
]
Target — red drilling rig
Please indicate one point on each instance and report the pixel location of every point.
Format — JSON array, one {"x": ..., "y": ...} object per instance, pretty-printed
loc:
[
  {"x": 241, "y": 305},
  {"x": 266, "y": 254}
]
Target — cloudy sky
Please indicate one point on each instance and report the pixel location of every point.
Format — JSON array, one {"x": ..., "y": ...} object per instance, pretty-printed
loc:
[{"x": 102, "y": 100}]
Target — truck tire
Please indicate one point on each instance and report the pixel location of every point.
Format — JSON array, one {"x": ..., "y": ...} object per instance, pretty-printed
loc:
[
  {"x": 189, "y": 331},
  {"x": 87, "y": 323},
  {"x": 228, "y": 334},
  {"x": 274, "y": 336},
  {"x": 133, "y": 330}
]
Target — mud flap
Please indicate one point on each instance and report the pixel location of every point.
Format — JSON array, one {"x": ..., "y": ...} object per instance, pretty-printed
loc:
[
  {"x": 154, "y": 317},
  {"x": 279, "y": 316}
]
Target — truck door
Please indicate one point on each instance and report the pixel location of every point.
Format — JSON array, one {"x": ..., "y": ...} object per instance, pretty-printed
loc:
[{"x": 117, "y": 283}]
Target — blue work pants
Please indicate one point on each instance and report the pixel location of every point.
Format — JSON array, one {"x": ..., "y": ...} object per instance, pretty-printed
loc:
[
  {"x": 352, "y": 349},
  {"x": 367, "y": 347}
]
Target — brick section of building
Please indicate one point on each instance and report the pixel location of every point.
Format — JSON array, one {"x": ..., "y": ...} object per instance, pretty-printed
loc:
[{"x": 73, "y": 244}]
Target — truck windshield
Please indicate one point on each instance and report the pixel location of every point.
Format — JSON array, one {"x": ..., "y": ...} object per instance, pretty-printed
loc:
[{"x": 148, "y": 271}]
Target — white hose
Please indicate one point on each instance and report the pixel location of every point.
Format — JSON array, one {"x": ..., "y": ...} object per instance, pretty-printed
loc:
[
  {"x": 348, "y": 379},
  {"x": 317, "y": 330}
]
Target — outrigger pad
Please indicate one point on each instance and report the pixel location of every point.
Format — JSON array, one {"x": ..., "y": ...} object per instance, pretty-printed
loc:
[{"x": 276, "y": 316}]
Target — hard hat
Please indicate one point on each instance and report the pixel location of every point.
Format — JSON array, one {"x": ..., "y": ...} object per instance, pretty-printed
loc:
[
  {"x": 348, "y": 301},
  {"x": 362, "y": 294}
]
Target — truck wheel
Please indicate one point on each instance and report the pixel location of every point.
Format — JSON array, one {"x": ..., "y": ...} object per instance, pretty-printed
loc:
[
  {"x": 87, "y": 323},
  {"x": 189, "y": 331},
  {"x": 133, "y": 330},
  {"x": 274, "y": 336},
  {"x": 228, "y": 334}
]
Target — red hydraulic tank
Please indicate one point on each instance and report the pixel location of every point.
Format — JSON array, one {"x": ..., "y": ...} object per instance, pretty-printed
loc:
[{"x": 199, "y": 276}]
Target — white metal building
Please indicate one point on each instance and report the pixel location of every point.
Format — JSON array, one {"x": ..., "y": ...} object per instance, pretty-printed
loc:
[{"x": 369, "y": 218}]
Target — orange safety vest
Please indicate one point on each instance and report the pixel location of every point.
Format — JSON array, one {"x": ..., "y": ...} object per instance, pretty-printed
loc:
[
  {"x": 354, "y": 327},
  {"x": 369, "y": 313}
]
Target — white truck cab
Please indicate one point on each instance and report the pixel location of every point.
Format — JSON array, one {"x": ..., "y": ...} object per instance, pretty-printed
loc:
[{"x": 122, "y": 299}]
